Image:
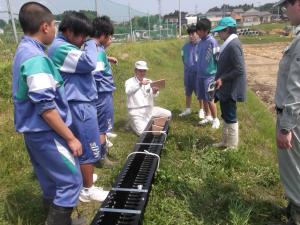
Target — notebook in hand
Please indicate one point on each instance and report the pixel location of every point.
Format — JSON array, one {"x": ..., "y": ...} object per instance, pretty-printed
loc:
[{"x": 158, "y": 83}]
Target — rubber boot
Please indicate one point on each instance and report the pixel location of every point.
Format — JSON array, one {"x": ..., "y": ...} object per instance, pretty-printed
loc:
[
  {"x": 233, "y": 135},
  {"x": 104, "y": 162},
  {"x": 46, "y": 205},
  {"x": 294, "y": 215},
  {"x": 223, "y": 142},
  {"x": 58, "y": 215}
]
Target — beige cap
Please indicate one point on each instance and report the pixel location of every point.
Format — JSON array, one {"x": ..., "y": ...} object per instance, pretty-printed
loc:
[{"x": 141, "y": 65}]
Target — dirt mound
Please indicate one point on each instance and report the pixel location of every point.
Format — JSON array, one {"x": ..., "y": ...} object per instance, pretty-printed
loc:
[{"x": 262, "y": 64}]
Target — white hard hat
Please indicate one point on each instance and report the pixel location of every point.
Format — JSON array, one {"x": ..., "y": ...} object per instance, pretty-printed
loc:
[{"x": 141, "y": 65}]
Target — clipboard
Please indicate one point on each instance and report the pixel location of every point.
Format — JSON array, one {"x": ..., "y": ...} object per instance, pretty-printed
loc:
[{"x": 158, "y": 83}]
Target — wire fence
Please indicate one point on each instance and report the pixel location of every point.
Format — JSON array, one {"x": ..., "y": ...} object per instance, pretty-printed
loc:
[
  {"x": 130, "y": 25},
  {"x": 128, "y": 21}
]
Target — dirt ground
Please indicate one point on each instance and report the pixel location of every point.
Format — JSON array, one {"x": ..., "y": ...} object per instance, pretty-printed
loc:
[{"x": 262, "y": 64}]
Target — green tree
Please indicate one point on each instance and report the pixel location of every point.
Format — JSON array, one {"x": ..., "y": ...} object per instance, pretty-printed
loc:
[{"x": 2, "y": 23}]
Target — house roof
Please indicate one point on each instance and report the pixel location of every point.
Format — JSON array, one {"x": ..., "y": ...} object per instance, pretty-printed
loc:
[
  {"x": 254, "y": 12},
  {"x": 218, "y": 13},
  {"x": 238, "y": 10},
  {"x": 236, "y": 16},
  {"x": 191, "y": 15}
]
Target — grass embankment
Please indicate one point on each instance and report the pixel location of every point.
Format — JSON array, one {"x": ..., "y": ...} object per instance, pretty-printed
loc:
[
  {"x": 196, "y": 184},
  {"x": 265, "y": 39}
]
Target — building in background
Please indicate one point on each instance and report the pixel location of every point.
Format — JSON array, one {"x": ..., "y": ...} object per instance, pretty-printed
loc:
[
  {"x": 191, "y": 19},
  {"x": 255, "y": 17}
]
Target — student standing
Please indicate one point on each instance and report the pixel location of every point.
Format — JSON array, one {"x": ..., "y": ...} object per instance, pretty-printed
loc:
[
  {"x": 76, "y": 67},
  {"x": 103, "y": 31},
  {"x": 189, "y": 59},
  {"x": 207, "y": 52},
  {"x": 42, "y": 114}
]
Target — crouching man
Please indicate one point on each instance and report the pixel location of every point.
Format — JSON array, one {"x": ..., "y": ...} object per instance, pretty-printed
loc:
[{"x": 140, "y": 97}]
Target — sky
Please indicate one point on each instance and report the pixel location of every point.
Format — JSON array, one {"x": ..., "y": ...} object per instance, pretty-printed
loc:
[
  {"x": 118, "y": 9},
  {"x": 186, "y": 5}
]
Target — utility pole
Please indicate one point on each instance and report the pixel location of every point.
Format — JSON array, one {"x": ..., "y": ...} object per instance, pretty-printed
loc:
[
  {"x": 12, "y": 21},
  {"x": 97, "y": 8},
  {"x": 149, "y": 27},
  {"x": 130, "y": 22},
  {"x": 159, "y": 12},
  {"x": 167, "y": 28},
  {"x": 179, "y": 19}
]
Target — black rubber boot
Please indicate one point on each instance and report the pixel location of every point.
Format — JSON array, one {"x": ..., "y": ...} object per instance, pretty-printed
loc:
[
  {"x": 46, "y": 205},
  {"x": 58, "y": 215},
  {"x": 104, "y": 162}
]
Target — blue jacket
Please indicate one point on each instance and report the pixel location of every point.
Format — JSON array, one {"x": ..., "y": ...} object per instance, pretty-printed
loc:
[
  {"x": 37, "y": 87},
  {"x": 189, "y": 57},
  {"x": 103, "y": 73},
  {"x": 207, "y": 51},
  {"x": 76, "y": 67}
]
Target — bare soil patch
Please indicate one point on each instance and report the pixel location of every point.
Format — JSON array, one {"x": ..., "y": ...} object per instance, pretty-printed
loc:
[{"x": 262, "y": 64}]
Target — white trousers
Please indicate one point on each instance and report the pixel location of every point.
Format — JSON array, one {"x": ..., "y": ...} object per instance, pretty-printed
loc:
[{"x": 139, "y": 118}]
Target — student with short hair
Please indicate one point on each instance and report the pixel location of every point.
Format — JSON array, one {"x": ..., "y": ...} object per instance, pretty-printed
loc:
[
  {"x": 42, "y": 114},
  {"x": 189, "y": 59},
  {"x": 208, "y": 50},
  {"x": 76, "y": 66},
  {"x": 104, "y": 30}
]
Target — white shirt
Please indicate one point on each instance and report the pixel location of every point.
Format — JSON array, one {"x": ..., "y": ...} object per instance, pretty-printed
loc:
[{"x": 138, "y": 96}]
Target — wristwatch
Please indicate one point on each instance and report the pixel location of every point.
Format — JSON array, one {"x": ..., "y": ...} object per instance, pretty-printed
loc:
[{"x": 284, "y": 131}]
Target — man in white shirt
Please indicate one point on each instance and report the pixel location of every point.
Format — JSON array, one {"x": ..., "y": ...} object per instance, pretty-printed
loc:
[{"x": 140, "y": 96}]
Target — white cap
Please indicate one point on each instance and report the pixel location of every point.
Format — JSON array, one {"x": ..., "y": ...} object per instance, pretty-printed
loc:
[{"x": 141, "y": 65}]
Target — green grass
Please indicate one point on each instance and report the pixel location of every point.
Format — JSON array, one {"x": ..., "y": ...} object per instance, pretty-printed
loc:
[
  {"x": 196, "y": 184},
  {"x": 270, "y": 26},
  {"x": 264, "y": 39}
]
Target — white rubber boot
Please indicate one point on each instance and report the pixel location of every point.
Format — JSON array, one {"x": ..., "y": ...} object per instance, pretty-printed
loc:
[
  {"x": 223, "y": 142},
  {"x": 233, "y": 135}
]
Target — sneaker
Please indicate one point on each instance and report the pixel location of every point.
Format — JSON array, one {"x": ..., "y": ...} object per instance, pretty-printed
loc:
[
  {"x": 215, "y": 123},
  {"x": 111, "y": 135},
  {"x": 208, "y": 119},
  {"x": 109, "y": 144},
  {"x": 95, "y": 177},
  {"x": 93, "y": 194},
  {"x": 185, "y": 112},
  {"x": 201, "y": 114}
]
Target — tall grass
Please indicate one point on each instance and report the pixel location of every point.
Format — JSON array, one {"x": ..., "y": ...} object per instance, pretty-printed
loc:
[{"x": 196, "y": 184}]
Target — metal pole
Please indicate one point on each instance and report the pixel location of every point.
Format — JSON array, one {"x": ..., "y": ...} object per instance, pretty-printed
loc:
[
  {"x": 12, "y": 21},
  {"x": 167, "y": 28},
  {"x": 97, "y": 8},
  {"x": 179, "y": 19},
  {"x": 159, "y": 9},
  {"x": 149, "y": 27},
  {"x": 159, "y": 29},
  {"x": 129, "y": 15}
]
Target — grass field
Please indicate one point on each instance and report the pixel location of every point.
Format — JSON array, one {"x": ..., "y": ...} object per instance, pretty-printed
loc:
[
  {"x": 196, "y": 184},
  {"x": 267, "y": 27}
]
